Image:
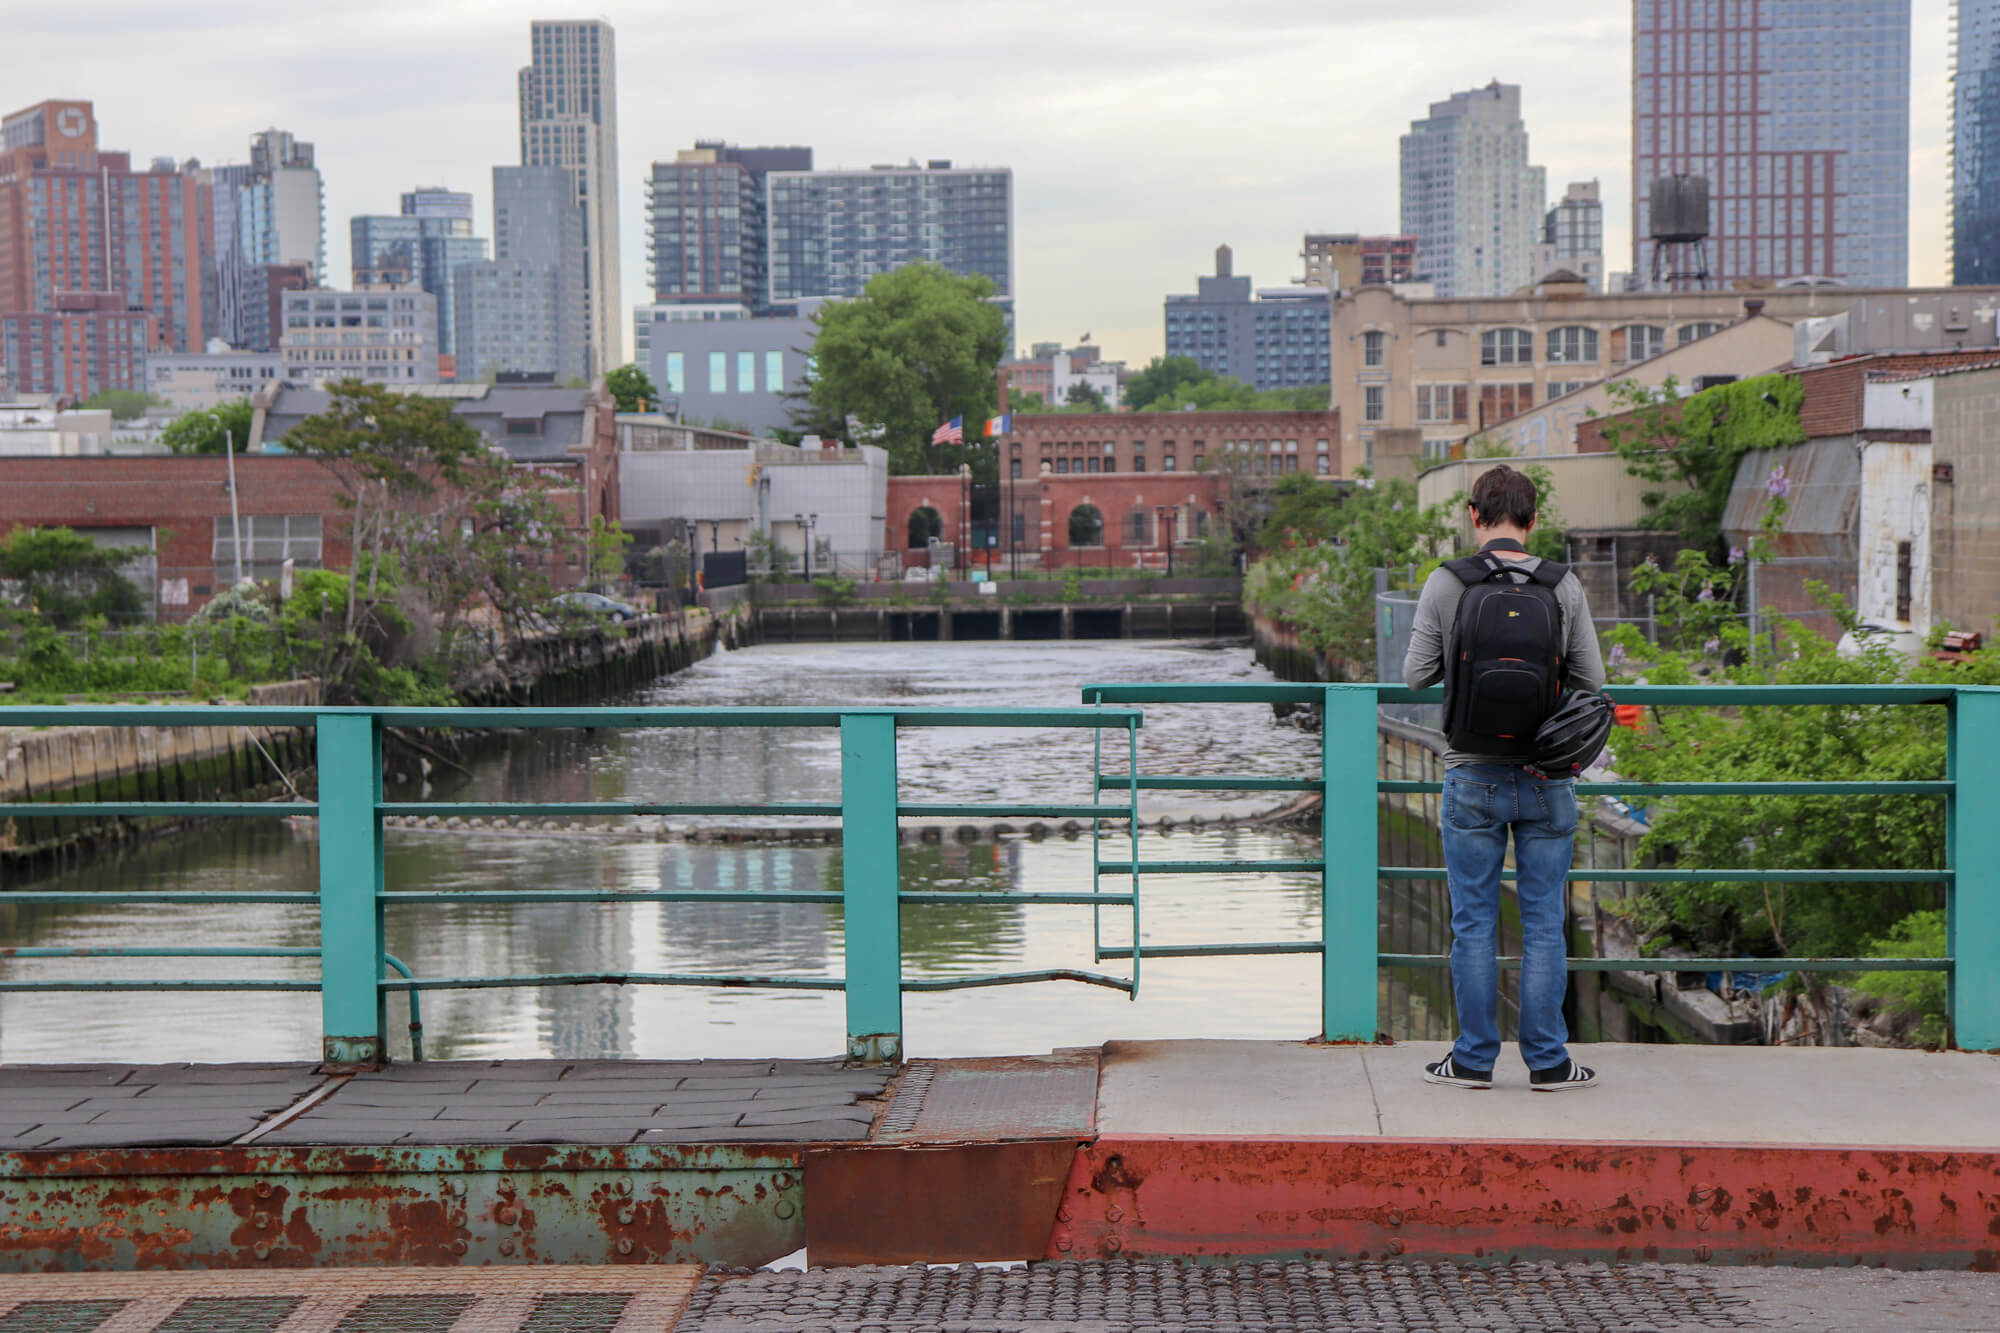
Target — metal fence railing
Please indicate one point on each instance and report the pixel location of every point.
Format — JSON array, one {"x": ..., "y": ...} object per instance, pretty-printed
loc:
[
  {"x": 352, "y": 897},
  {"x": 1968, "y": 865}
]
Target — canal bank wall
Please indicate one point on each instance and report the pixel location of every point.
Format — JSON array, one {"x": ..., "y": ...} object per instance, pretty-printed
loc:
[
  {"x": 214, "y": 763},
  {"x": 246, "y": 763},
  {"x": 960, "y": 624}
]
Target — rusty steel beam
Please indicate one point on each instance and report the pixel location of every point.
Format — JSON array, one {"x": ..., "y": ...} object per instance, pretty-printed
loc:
[
  {"x": 953, "y": 1203},
  {"x": 1155, "y": 1197},
  {"x": 253, "y": 1207}
]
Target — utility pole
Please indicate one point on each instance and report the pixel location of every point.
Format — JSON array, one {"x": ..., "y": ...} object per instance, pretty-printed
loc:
[{"x": 235, "y": 519}]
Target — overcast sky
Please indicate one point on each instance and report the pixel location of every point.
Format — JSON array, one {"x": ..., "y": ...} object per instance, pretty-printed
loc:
[{"x": 1142, "y": 133}]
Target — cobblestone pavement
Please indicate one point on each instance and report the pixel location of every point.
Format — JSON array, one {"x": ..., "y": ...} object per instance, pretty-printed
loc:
[{"x": 1380, "y": 1297}]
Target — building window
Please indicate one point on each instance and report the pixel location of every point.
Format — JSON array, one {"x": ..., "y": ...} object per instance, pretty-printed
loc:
[
  {"x": 1441, "y": 403},
  {"x": 1637, "y": 342},
  {"x": 1323, "y": 465},
  {"x": 1371, "y": 402},
  {"x": 1135, "y": 528},
  {"x": 774, "y": 372},
  {"x": 1903, "y": 581},
  {"x": 1506, "y": 347},
  {"x": 1093, "y": 462},
  {"x": 1689, "y": 332},
  {"x": 1557, "y": 388},
  {"x": 1372, "y": 348},
  {"x": 1497, "y": 402},
  {"x": 676, "y": 372},
  {"x": 1167, "y": 463},
  {"x": 1062, "y": 466},
  {"x": 1571, "y": 344},
  {"x": 1086, "y": 526},
  {"x": 718, "y": 372},
  {"x": 746, "y": 372},
  {"x": 268, "y": 541},
  {"x": 1014, "y": 469}
]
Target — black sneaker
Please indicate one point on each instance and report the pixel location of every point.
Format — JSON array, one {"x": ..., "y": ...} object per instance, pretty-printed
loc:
[
  {"x": 1569, "y": 1076},
  {"x": 1449, "y": 1072}
]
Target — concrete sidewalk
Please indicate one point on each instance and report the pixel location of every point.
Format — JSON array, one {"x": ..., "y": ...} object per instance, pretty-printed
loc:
[{"x": 1651, "y": 1094}]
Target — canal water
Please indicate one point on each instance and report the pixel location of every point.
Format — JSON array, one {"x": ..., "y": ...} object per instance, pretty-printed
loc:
[{"x": 1260, "y": 997}]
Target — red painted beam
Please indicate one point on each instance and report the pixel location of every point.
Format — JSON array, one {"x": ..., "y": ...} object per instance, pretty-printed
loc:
[{"x": 1155, "y": 1196}]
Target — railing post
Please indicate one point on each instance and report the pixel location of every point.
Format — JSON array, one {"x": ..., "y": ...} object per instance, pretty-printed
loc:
[
  {"x": 352, "y": 1001},
  {"x": 870, "y": 885},
  {"x": 1972, "y": 935},
  {"x": 1350, "y": 853}
]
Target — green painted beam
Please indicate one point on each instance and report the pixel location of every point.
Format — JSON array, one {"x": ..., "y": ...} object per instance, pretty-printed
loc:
[
  {"x": 353, "y": 1016},
  {"x": 870, "y": 880},
  {"x": 153, "y": 809},
  {"x": 1972, "y": 922},
  {"x": 1349, "y": 888}
]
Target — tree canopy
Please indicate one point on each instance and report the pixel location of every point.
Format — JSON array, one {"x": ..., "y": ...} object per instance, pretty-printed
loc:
[
  {"x": 918, "y": 347},
  {"x": 199, "y": 433},
  {"x": 632, "y": 389},
  {"x": 1180, "y": 384},
  {"x": 67, "y": 576},
  {"x": 123, "y": 404}
]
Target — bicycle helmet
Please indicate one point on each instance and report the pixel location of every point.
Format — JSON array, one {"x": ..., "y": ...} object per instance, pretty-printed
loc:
[{"x": 1572, "y": 736}]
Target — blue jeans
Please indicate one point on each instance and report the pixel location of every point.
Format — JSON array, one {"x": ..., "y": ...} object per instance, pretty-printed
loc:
[{"x": 1481, "y": 802}]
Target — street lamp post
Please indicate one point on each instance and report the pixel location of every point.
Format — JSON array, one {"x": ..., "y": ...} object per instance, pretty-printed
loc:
[
  {"x": 807, "y": 523},
  {"x": 235, "y": 519},
  {"x": 1165, "y": 515}
]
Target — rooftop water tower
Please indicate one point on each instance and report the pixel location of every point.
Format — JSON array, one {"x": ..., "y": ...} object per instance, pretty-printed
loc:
[{"x": 1678, "y": 213}]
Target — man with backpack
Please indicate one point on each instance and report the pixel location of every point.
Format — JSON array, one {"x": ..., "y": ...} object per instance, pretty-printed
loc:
[{"x": 1510, "y": 635}]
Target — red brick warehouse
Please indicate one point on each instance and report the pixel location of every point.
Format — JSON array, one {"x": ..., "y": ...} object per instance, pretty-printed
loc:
[{"x": 1111, "y": 489}]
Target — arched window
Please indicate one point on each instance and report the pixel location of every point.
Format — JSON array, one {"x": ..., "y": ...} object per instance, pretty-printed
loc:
[
  {"x": 1689, "y": 332},
  {"x": 1086, "y": 526},
  {"x": 1638, "y": 342},
  {"x": 1572, "y": 343},
  {"x": 1136, "y": 527},
  {"x": 1506, "y": 347},
  {"x": 925, "y": 524},
  {"x": 1201, "y": 523}
]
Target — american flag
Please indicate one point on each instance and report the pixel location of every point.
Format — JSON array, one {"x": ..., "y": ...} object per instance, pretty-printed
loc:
[{"x": 951, "y": 432}]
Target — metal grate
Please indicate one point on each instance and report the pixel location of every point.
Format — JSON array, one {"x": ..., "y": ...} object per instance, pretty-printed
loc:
[
  {"x": 220, "y": 1314},
  {"x": 58, "y": 1316},
  {"x": 577, "y": 1312},
  {"x": 407, "y": 1314},
  {"x": 902, "y": 1114}
]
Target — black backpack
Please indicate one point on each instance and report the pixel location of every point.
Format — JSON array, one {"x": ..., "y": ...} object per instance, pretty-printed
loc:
[{"x": 1504, "y": 669}]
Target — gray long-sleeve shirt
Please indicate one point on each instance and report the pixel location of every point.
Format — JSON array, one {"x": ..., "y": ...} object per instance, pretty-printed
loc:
[{"x": 1437, "y": 608}]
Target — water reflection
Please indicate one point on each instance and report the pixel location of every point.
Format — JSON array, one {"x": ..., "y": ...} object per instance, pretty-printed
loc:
[{"x": 1247, "y": 997}]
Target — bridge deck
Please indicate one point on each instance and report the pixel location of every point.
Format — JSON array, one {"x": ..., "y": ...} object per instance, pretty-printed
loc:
[{"x": 1177, "y": 1149}]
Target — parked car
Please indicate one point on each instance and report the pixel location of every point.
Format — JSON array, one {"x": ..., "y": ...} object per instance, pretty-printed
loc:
[{"x": 596, "y": 603}]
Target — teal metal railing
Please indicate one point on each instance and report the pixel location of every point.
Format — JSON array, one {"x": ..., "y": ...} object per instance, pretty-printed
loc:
[
  {"x": 353, "y": 898},
  {"x": 1351, "y": 788}
]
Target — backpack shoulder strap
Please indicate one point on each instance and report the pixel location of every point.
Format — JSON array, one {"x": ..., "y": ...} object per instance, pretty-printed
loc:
[
  {"x": 1473, "y": 569},
  {"x": 1549, "y": 573}
]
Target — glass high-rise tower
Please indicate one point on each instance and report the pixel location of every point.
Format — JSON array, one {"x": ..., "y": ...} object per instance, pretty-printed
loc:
[
  {"x": 1798, "y": 113},
  {"x": 569, "y": 119},
  {"x": 1975, "y": 144}
]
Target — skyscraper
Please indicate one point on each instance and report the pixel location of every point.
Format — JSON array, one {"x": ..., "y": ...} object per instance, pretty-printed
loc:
[
  {"x": 418, "y": 247},
  {"x": 1975, "y": 144},
  {"x": 270, "y": 224},
  {"x": 1470, "y": 197},
  {"x": 569, "y": 119},
  {"x": 1798, "y": 113},
  {"x": 831, "y": 231},
  {"x": 707, "y": 223},
  {"x": 1573, "y": 236},
  {"x": 522, "y": 311},
  {"x": 85, "y": 242}
]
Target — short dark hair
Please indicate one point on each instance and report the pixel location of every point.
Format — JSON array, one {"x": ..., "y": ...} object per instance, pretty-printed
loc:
[{"x": 1500, "y": 494}]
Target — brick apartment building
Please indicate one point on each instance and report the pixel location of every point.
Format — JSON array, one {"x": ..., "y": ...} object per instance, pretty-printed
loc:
[
  {"x": 85, "y": 240},
  {"x": 1110, "y": 489}
]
